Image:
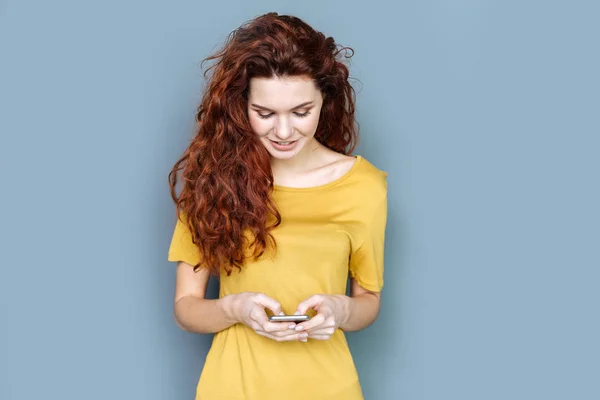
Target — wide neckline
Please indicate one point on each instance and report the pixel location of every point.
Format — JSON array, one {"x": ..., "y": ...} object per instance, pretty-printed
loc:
[{"x": 325, "y": 185}]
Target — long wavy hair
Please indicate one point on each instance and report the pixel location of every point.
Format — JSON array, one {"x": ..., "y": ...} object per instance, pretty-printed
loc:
[{"x": 225, "y": 172}]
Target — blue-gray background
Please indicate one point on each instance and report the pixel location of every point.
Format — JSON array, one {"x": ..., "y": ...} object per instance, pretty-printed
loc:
[{"x": 485, "y": 114}]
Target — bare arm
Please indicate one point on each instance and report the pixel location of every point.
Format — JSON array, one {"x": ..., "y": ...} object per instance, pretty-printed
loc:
[
  {"x": 194, "y": 313},
  {"x": 362, "y": 308}
]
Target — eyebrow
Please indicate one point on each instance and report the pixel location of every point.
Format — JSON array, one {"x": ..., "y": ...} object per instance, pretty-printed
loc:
[{"x": 295, "y": 108}]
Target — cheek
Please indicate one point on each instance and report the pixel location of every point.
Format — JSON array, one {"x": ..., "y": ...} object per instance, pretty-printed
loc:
[
  {"x": 259, "y": 126},
  {"x": 310, "y": 123}
]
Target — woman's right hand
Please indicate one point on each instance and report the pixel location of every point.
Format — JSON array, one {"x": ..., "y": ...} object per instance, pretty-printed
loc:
[{"x": 248, "y": 308}]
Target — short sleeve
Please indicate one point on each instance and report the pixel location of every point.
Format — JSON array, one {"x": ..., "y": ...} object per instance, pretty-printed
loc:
[
  {"x": 367, "y": 260},
  {"x": 182, "y": 248}
]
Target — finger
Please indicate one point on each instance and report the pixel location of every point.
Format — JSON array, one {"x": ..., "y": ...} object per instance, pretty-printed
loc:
[
  {"x": 272, "y": 333},
  {"x": 319, "y": 331},
  {"x": 319, "y": 337},
  {"x": 312, "y": 323},
  {"x": 258, "y": 315},
  {"x": 272, "y": 327},
  {"x": 267, "y": 302},
  {"x": 311, "y": 302},
  {"x": 328, "y": 325},
  {"x": 288, "y": 338},
  {"x": 267, "y": 335},
  {"x": 260, "y": 318},
  {"x": 288, "y": 333},
  {"x": 277, "y": 329}
]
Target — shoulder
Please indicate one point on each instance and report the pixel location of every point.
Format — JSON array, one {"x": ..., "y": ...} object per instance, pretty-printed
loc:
[
  {"x": 369, "y": 178},
  {"x": 365, "y": 190},
  {"x": 358, "y": 169}
]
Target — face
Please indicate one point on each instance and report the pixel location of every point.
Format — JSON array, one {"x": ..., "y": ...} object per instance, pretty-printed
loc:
[{"x": 284, "y": 113}]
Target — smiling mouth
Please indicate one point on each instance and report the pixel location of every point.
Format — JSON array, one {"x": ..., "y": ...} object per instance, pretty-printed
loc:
[{"x": 284, "y": 143}]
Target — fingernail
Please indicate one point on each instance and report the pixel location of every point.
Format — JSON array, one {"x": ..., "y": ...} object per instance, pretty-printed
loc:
[
  {"x": 282, "y": 313},
  {"x": 297, "y": 313},
  {"x": 299, "y": 327},
  {"x": 303, "y": 335},
  {"x": 304, "y": 340},
  {"x": 291, "y": 326}
]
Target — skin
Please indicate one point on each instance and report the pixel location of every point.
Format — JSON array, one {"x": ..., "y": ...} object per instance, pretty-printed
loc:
[{"x": 280, "y": 109}]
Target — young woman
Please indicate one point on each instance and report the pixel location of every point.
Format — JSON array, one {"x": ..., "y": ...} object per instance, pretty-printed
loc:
[{"x": 272, "y": 202}]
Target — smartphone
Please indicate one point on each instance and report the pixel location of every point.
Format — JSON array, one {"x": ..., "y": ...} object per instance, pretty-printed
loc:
[{"x": 289, "y": 318}]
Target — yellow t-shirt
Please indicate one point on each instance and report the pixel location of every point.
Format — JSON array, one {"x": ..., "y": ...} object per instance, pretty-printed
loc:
[{"x": 326, "y": 232}]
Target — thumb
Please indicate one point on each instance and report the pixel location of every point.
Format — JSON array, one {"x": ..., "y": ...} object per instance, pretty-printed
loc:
[
  {"x": 267, "y": 302},
  {"x": 312, "y": 302}
]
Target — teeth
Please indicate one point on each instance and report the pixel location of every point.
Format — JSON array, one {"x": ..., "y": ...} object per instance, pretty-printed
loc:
[{"x": 284, "y": 143}]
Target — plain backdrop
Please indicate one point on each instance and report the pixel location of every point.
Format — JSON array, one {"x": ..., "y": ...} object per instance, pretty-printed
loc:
[{"x": 484, "y": 113}]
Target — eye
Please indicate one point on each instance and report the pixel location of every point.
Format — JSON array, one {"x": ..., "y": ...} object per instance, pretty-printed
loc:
[
  {"x": 302, "y": 115},
  {"x": 264, "y": 116}
]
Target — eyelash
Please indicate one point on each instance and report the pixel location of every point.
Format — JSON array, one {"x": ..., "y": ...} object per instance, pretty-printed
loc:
[{"x": 306, "y": 114}]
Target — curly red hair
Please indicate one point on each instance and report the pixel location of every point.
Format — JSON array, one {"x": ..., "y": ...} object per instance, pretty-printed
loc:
[{"x": 225, "y": 172}]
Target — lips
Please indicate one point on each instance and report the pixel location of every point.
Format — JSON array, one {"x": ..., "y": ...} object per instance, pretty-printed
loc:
[{"x": 284, "y": 146}]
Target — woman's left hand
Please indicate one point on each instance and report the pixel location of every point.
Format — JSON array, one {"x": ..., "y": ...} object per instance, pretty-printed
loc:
[{"x": 332, "y": 311}]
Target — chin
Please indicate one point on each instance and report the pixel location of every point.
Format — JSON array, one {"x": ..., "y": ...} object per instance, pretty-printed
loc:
[{"x": 279, "y": 155}]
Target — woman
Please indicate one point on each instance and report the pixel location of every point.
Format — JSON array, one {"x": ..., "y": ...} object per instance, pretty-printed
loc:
[{"x": 273, "y": 204}]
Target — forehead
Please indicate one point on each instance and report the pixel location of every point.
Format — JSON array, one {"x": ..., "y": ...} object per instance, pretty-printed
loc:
[{"x": 282, "y": 93}]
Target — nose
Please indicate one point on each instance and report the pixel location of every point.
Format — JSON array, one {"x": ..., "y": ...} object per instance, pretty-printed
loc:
[{"x": 283, "y": 128}]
